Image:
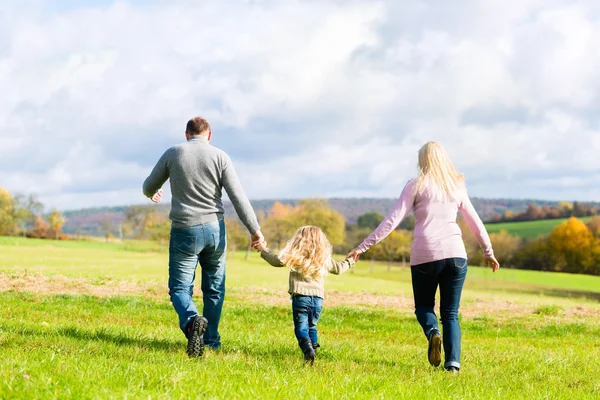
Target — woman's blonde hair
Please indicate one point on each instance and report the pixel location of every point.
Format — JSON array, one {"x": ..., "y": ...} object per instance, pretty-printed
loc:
[
  {"x": 437, "y": 172},
  {"x": 307, "y": 253}
]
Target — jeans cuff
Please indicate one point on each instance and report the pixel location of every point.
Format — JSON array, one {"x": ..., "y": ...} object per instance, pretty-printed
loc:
[
  {"x": 454, "y": 364},
  {"x": 432, "y": 332}
]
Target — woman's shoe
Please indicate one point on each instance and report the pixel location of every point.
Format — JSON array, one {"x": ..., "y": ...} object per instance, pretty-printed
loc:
[
  {"x": 453, "y": 370},
  {"x": 434, "y": 352}
]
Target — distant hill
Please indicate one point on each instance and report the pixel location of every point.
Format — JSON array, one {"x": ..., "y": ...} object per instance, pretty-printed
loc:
[
  {"x": 529, "y": 229},
  {"x": 89, "y": 221}
]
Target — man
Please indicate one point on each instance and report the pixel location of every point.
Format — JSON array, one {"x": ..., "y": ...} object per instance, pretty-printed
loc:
[{"x": 198, "y": 172}]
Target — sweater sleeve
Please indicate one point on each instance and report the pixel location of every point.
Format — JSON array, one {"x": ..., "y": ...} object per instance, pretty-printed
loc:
[
  {"x": 238, "y": 197},
  {"x": 158, "y": 176},
  {"x": 271, "y": 258},
  {"x": 339, "y": 267},
  {"x": 403, "y": 206},
  {"x": 476, "y": 225}
]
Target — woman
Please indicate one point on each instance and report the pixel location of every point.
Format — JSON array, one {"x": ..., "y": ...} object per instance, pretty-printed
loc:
[{"x": 438, "y": 256}]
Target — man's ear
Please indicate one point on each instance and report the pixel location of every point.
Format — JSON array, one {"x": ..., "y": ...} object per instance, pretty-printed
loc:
[
  {"x": 209, "y": 135},
  {"x": 187, "y": 136}
]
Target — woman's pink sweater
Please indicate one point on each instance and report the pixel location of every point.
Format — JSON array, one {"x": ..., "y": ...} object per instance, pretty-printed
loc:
[{"x": 437, "y": 236}]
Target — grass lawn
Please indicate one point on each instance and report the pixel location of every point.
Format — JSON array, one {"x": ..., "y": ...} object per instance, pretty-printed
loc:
[
  {"x": 528, "y": 229},
  {"x": 93, "y": 320}
]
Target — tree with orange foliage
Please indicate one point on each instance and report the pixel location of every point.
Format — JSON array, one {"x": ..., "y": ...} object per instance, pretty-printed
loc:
[
  {"x": 279, "y": 226},
  {"x": 572, "y": 246},
  {"x": 56, "y": 221}
]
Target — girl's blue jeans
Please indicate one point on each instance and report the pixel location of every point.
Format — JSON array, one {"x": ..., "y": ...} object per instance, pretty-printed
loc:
[{"x": 306, "y": 311}]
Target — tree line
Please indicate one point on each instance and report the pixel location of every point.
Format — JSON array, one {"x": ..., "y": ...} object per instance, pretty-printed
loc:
[
  {"x": 573, "y": 246},
  {"x": 24, "y": 216},
  {"x": 535, "y": 213}
]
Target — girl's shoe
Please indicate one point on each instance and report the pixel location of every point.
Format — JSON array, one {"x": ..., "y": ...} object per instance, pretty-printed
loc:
[
  {"x": 452, "y": 370},
  {"x": 308, "y": 350},
  {"x": 434, "y": 352},
  {"x": 315, "y": 347}
]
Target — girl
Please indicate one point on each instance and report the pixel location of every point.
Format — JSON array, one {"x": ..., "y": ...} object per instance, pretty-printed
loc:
[
  {"x": 308, "y": 255},
  {"x": 438, "y": 256}
]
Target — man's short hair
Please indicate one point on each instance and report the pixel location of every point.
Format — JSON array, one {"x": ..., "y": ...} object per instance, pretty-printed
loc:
[{"x": 197, "y": 126}]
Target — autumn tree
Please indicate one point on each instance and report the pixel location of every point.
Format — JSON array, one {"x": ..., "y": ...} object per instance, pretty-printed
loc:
[
  {"x": 572, "y": 245},
  {"x": 7, "y": 213},
  {"x": 505, "y": 247},
  {"x": 237, "y": 235},
  {"x": 157, "y": 226},
  {"x": 594, "y": 226},
  {"x": 40, "y": 228},
  {"x": 279, "y": 225},
  {"x": 138, "y": 218},
  {"x": 534, "y": 254},
  {"x": 319, "y": 213},
  {"x": 56, "y": 221},
  {"x": 395, "y": 247}
]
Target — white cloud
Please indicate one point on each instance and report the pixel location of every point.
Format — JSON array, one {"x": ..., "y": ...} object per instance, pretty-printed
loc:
[{"x": 311, "y": 98}]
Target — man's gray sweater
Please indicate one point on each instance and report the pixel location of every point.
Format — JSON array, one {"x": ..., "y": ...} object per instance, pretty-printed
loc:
[{"x": 198, "y": 172}]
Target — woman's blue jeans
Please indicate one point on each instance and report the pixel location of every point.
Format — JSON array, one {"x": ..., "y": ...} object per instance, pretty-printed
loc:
[
  {"x": 205, "y": 244},
  {"x": 449, "y": 275}
]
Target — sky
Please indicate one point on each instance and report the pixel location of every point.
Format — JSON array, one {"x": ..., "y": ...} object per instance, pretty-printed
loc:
[{"x": 313, "y": 98}]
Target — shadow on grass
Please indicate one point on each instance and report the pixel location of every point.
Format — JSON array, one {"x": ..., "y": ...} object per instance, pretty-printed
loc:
[
  {"x": 274, "y": 352},
  {"x": 101, "y": 335}
]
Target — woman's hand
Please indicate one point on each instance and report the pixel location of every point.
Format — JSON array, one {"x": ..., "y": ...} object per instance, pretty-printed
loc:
[
  {"x": 491, "y": 262},
  {"x": 355, "y": 254}
]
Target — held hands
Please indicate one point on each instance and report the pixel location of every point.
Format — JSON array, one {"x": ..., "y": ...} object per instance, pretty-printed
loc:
[
  {"x": 355, "y": 254},
  {"x": 157, "y": 196},
  {"x": 491, "y": 262},
  {"x": 258, "y": 241}
]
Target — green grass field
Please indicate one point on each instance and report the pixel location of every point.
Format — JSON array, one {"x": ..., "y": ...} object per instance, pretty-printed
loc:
[
  {"x": 528, "y": 229},
  {"x": 93, "y": 320}
]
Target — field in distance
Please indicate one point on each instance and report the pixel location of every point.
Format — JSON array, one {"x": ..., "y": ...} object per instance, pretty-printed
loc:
[
  {"x": 93, "y": 320},
  {"x": 529, "y": 229}
]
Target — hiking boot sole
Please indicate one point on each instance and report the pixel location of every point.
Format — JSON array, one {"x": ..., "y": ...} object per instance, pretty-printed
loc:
[
  {"x": 435, "y": 350},
  {"x": 195, "y": 347}
]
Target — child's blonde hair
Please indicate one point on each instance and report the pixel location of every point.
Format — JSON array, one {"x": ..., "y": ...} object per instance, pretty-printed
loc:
[
  {"x": 437, "y": 172},
  {"x": 307, "y": 253}
]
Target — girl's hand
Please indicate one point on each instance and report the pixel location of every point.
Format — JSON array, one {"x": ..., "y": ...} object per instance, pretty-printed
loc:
[
  {"x": 260, "y": 246},
  {"x": 491, "y": 262},
  {"x": 355, "y": 254}
]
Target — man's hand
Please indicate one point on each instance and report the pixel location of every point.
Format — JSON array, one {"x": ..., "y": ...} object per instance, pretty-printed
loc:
[
  {"x": 492, "y": 262},
  {"x": 157, "y": 196},
  {"x": 257, "y": 237},
  {"x": 260, "y": 246},
  {"x": 355, "y": 254}
]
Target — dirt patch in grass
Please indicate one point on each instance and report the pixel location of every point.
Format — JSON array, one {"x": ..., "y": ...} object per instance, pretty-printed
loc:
[
  {"x": 68, "y": 285},
  {"x": 471, "y": 308}
]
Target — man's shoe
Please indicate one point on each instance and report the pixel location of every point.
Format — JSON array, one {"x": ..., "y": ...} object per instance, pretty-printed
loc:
[
  {"x": 434, "y": 352},
  {"x": 452, "y": 370},
  {"x": 308, "y": 350},
  {"x": 195, "y": 331}
]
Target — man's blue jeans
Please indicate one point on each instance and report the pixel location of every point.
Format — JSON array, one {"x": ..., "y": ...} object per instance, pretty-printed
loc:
[
  {"x": 206, "y": 244},
  {"x": 449, "y": 275},
  {"x": 306, "y": 311}
]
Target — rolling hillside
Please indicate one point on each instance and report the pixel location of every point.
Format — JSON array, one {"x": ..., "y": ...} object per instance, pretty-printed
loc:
[{"x": 89, "y": 221}]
